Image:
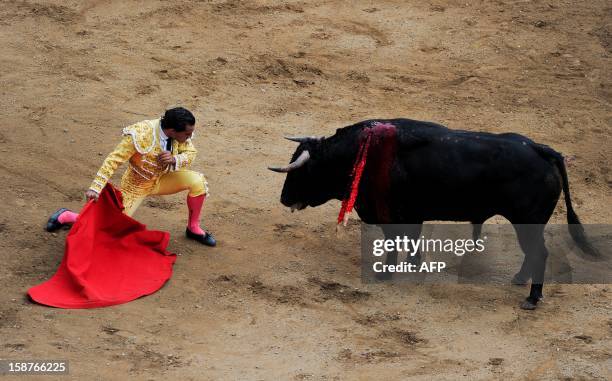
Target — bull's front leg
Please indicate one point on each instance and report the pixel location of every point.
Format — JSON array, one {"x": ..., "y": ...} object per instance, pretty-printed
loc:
[
  {"x": 390, "y": 260},
  {"x": 391, "y": 232},
  {"x": 413, "y": 232}
]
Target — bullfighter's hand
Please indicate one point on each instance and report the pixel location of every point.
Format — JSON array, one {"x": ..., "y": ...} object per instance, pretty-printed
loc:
[
  {"x": 91, "y": 195},
  {"x": 165, "y": 159}
]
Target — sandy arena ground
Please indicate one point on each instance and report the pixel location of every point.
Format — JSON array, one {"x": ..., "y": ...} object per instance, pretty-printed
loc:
[{"x": 280, "y": 298}]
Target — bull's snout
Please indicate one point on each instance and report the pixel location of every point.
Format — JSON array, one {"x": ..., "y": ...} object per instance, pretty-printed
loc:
[{"x": 297, "y": 206}]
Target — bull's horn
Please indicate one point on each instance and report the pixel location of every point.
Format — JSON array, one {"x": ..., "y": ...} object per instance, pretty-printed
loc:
[
  {"x": 302, "y": 139},
  {"x": 300, "y": 161}
]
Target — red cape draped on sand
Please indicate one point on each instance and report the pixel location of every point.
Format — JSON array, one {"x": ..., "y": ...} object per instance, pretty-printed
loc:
[{"x": 109, "y": 259}]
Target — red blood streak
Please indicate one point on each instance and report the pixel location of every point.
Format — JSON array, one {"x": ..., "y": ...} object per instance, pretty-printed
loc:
[
  {"x": 378, "y": 145},
  {"x": 381, "y": 157}
]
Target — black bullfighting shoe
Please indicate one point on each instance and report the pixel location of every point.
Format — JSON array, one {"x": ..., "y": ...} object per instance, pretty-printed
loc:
[
  {"x": 205, "y": 239},
  {"x": 53, "y": 223}
]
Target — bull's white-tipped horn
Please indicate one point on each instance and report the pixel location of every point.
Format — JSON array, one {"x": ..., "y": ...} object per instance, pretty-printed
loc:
[
  {"x": 300, "y": 161},
  {"x": 302, "y": 139}
]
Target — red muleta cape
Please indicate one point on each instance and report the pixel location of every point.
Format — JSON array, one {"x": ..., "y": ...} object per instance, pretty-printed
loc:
[{"x": 109, "y": 259}]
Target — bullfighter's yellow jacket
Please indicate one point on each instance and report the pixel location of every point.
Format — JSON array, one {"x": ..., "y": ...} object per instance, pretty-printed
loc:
[{"x": 140, "y": 146}]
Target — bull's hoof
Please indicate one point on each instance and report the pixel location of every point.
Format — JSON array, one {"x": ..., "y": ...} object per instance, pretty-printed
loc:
[
  {"x": 519, "y": 280},
  {"x": 528, "y": 305},
  {"x": 383, "y": 276}
]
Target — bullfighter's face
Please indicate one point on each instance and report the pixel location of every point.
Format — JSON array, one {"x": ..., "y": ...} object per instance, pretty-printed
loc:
[{"x": 182, "y": 136}]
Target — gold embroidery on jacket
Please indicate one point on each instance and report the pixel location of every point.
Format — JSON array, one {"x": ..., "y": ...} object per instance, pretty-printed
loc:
[{"x": 140, "y": 146}]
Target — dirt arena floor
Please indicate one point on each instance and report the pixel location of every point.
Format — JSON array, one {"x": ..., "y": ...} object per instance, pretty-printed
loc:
[{"x": 280, "y": 298}]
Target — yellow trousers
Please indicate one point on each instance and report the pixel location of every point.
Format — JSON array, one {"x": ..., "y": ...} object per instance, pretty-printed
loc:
[{"x": 168, "y": 183}]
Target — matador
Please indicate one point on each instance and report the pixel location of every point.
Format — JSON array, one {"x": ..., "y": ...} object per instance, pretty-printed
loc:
[{"x": 160, "y": 153}]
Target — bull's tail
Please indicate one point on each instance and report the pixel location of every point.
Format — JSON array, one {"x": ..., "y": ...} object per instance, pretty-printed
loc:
[{"x": 576, "y": 229}]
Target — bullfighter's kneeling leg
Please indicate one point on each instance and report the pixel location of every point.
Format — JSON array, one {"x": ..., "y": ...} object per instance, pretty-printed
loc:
[
  {"x": 195, "y": 182},
  {"x": 62, "y": 217},
  {"x": 65, "y": 217}
]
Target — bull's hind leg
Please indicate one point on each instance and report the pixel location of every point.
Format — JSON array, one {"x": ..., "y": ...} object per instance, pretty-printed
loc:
[
  {"x": 531, "y": 239},
  {"x": 522, "y": 276}
]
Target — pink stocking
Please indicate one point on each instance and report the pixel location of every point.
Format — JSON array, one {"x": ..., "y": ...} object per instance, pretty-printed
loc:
[
  {"x": 194, "y": 204},
  {"x": 68, "y": 217}
]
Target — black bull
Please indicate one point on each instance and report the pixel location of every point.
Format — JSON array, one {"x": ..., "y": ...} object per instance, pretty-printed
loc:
[{"x": 420, "y": 171}]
